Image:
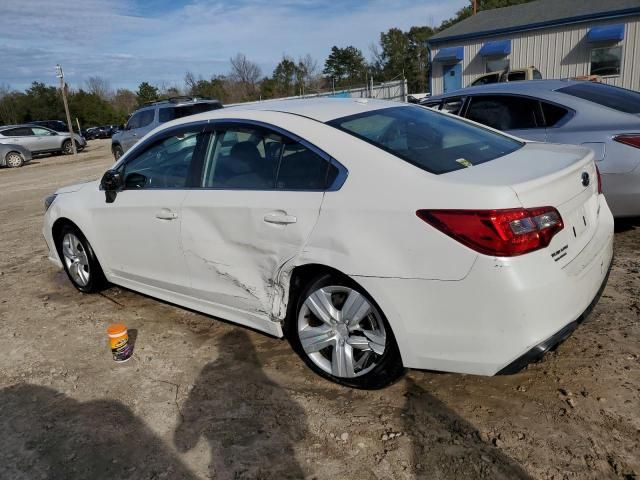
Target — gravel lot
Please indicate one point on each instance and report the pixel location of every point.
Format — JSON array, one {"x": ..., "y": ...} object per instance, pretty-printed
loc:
[{"x": 202, "y": 398}]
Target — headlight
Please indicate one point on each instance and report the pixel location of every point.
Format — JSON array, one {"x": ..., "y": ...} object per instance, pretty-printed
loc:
[{"x": 48, "y": 201}]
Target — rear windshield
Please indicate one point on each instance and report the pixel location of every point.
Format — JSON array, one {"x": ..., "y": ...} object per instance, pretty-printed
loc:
[
  {"x": 430, "y": 140},
  {"x": 620, "y": 99},
  {"x": 171, "y": 113}
]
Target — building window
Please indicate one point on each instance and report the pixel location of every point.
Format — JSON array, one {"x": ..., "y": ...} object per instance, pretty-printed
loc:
[
  {"x": 496, "y": 65},
  {"x": 606, "y": 61}
]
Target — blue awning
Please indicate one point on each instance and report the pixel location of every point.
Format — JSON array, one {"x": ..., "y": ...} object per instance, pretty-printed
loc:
[
  {"x": 449, "y": 54},
  {"x": 610, "y": 33},
  {"x": 497, "y": 48}
]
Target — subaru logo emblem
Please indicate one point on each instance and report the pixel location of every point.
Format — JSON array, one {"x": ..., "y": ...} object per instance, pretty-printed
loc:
[{"x": 585, "y": 179}]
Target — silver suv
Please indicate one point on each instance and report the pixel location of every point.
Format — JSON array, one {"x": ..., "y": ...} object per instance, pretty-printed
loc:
[{"x": 145, "y": 119}]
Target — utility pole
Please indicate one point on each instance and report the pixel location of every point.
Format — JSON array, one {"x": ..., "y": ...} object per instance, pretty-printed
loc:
[
  {"x": 63, "y": 89},
  {"x": 475, "y": 6}
]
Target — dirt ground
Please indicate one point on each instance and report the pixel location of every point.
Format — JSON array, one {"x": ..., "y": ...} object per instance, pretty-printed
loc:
[{"x": 206, "y": 399}]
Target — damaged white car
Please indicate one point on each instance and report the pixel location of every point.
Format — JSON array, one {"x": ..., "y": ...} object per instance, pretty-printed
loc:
[{"x": 375, "y": 236}]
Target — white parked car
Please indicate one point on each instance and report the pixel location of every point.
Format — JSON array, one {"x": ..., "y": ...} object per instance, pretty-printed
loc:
[{"x": 373, "y": 235}]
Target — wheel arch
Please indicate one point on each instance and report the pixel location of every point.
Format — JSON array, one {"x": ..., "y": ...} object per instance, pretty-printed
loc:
[
  {"x": 302, "y": 275},
  {"x": 56, "y": 230}
]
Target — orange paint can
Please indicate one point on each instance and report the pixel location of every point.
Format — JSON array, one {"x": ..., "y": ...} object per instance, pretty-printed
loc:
[{"x": 119, "y": 342}]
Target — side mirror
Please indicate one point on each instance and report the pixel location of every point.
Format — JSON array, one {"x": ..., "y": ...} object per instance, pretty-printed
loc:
[{"x": 111, "y": 183}]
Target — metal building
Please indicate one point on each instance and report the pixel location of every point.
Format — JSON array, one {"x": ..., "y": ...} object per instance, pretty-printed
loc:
[{"x": 562, "y": 38}]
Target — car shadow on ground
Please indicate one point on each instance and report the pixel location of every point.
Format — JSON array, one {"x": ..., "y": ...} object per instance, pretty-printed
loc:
[
  {"x": 250, "y": 422},
  {"x": 46, "y": 434},
  {"x": 447, "y": 446},
  {"x": 626, "y": 224}
]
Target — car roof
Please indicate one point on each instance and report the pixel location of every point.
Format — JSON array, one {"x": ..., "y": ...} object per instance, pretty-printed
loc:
[
  {"x": 522, "y": 86},
  {"x": 321, "y": 109},
  {"x": 28, "y": 125}
]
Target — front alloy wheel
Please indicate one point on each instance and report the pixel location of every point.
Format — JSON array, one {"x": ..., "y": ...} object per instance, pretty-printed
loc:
[
  {"x": 341, "y": 334},
  {"x": 79, "y": 260},
  {"x": 76, "y": 260}
]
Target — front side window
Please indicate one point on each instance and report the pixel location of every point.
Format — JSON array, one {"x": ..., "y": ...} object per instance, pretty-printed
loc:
[
  {"x": 606, "y": 61},
  {"x": 165, "y": 164},
  {"x": 504, "y": 112},
  {"x": 41, "y": 132},
  {"x": 146, "y": 117},
  {"x": 134, "y": 121},
  {"x": 427, "y": 139},
  {"x": 620, "y": 99}
]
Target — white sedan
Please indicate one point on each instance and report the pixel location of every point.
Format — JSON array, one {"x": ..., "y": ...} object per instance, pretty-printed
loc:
[{"x": 375, "y": 236}]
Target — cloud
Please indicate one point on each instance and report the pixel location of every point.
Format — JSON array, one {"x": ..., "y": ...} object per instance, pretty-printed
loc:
[{"x": 129, "y": 41}]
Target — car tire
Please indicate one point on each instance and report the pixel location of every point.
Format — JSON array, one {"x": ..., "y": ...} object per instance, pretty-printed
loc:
[
  {"x": 349, "y": 342},
  {"x": 14, "y": 160},
  {"x": 117, "y": 152},
  {"x": 67, "y": 149},
  {"x": 79, "y": 260}
]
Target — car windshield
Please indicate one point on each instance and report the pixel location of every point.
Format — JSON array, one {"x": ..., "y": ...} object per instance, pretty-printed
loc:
[
  {"x": 429, "y": 140},
  {"x": 620, "y": 99}
]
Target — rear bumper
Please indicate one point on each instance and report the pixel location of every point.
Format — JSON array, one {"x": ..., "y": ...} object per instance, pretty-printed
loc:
[
  {"x": 537, "y": 352},
  {"x": 502, "y": 310}
]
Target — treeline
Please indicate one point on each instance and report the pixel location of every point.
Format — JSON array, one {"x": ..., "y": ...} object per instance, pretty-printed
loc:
[{"x": 397, "y": 54}]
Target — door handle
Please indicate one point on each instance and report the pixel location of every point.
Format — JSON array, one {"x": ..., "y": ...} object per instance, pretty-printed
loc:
[
  {"x": 279, "y": 218},
  {"x": 166, "y": 214}
]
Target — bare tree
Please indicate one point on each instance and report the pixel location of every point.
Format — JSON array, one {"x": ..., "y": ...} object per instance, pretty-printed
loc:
[
  {"x": 124, "y": 101},
  {"x": 246, "y": 73},
  {"x": 99, "y": 86},
  {"x": 190, "y": 83}
]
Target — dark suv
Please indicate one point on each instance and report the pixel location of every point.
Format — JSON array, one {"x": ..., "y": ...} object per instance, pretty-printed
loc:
[{"x": 148, "y": 117}]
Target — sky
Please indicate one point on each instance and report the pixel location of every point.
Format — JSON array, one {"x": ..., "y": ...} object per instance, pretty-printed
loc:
[{"x": 130, "y": 41}]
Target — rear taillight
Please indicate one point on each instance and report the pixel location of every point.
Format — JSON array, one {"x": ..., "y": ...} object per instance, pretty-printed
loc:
[
  {"x": 631, "y": 139},
  {"x": 500, "y": 233},
  {"x": 599, "y": 180}
]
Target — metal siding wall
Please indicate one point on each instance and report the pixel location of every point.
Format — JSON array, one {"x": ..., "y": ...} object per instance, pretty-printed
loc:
[{"x": 559, "y": 52}]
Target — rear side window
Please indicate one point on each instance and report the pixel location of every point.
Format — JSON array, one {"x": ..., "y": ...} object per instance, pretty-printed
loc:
[
  {"x": 302, "y": 169},
  {"x": 536, "y": 74},
  {"x": 620, "y": 99},
  {"x": 427, "y": 139},
  {"x": 18, "y": 132},
  {"x": 252, "y": 158},
  {"x": 504, "y": 112},
  {"x": 552, "y": 113},
  {"x": 516, "y": 76},
  {"x": 452, "y": 105},
  {"x": 171, "y": 113},
  {"x": 487, "y": 79}
]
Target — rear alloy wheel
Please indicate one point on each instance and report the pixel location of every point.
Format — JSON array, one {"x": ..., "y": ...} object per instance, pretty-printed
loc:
[
  {"x": 342, "y": 335},
  {"x": 67, "y": 149},
  {"x": 14, "y": 160},
  {"x": 79, "y": 261}
]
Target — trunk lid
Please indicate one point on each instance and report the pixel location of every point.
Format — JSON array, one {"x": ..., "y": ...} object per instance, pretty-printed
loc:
[{"x": 559, "y": 176}]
